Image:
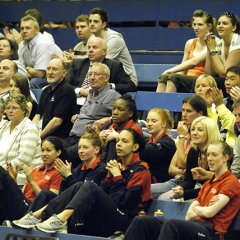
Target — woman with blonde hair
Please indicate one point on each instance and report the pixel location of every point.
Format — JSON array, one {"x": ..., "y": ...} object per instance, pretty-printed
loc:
[
  {"x": 205, "y": 218},
  {"x": 203, "y": 83},
  {"x": 204, "y": 130},
  {"x": 206, "y": 87},
  {"x": 160, "y": 148}
]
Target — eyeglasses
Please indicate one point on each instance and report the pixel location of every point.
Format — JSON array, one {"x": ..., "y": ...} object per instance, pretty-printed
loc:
[
  {"x": 4, "y": 46},
  {"x": 95, "y": 74},
  {"x": 12, "y": 108}
]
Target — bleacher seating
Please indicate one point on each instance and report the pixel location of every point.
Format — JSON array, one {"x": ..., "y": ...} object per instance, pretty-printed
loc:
[
  {"x": 153, "y": 50},
  {"x": 37, "y": 93},
  {"x": 148, "y": 74},
  {"x": 171, "y": 209},
  {"x": 145, "y": 42},
  {"x": 170, "y": 101}
]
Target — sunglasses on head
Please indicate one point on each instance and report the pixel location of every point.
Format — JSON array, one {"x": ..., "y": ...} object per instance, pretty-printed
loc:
[{"x": 230, "y": 15}]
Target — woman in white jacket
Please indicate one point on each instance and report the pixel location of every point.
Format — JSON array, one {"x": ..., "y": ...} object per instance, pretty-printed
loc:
[{"x": 19, "y": 138}]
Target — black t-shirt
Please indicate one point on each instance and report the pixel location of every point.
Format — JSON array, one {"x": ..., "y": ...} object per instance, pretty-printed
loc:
[{"x": 60, "y": 103}]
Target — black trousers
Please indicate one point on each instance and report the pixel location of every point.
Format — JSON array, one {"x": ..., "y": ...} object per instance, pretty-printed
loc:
[
  {"x": 13, "y": 203},
  {"x": 95, "y": 213},
  {"x": 41, "y": 200},
  {"x": 144, "y": 228},
  {"x": 71, "y": 145}
]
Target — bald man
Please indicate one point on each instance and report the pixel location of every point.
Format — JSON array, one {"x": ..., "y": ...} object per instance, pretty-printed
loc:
[
  {"x": 57, "y": 103},
  {"x": 97, "y": 51},
  {"x": 7, "y": 69}
]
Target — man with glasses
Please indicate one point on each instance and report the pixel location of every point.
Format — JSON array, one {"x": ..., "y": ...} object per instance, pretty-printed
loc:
[
  {"x": 97, "y": 50},
  {"x": 99, "y": 104},
  {"x": 117, "y": 49},
  {"x": 57, "y": 103}
]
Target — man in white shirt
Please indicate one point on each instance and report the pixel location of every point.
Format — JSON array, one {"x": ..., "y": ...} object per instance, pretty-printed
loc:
[{"x": 35, "y": 51}]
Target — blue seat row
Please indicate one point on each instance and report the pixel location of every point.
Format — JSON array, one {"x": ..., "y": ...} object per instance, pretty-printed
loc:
[
  {"x": 148, "y": 74},
  {"x": 170, "y": 209},
  {"x": 140, "y": 36}
]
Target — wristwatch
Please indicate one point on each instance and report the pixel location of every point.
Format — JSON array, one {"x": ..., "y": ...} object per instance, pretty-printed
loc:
[
  {"x": 111, "y": 120},
  {"x": 213, "y": 53},
  {"x": 181, "y": 136}
]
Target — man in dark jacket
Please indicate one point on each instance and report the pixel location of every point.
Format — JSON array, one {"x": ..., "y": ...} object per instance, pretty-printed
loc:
[{"x": 97, "y": 50}]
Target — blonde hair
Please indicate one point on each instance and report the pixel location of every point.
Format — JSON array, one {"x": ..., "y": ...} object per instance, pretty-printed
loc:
[
  {"x": 210, "y": 127},
  {"x": 165, "y": 115},
  {"x": 211, "y": 80},
  {"x": 20, "y": 100}
]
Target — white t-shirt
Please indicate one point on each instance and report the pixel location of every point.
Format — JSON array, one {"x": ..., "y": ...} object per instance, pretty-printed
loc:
[{"x": 235, "y": 44}]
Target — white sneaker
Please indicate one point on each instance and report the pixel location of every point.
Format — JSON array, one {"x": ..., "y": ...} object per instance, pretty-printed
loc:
[
  {"x": 27, "y": 222},
  {"x": 52, "y": 225},
  {"x": 7, "y": 223}
]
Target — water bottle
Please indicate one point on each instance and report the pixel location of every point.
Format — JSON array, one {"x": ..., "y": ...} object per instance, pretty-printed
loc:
[
  {"x": 158, "y": 214},
  {"x": 142, "y": 213}
]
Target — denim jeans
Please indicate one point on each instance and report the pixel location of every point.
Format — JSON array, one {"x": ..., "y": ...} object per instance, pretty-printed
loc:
[{"x": 160, "y": 188}]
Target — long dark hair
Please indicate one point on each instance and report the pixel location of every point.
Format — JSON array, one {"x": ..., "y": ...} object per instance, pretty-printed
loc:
[
  {"x": 13, "y": 47},
  {"x": 23, "y": 85},
  {"x": 234, "y": 20},
  {"x": 58, "y": 145}
]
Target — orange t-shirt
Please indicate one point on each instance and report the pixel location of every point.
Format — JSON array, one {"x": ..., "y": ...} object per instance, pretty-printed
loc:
[{"x": 199, "y": 69}]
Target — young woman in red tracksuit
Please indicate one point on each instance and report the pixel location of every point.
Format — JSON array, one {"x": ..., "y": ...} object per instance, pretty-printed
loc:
[{"x": 100, "y": 211}]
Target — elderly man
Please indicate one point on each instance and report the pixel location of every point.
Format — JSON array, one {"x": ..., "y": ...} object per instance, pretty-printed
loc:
[
  {"x": 35, "y": 51},
  {"x": 57, "y": 103},
  {"x": 98, "y": 105},
  {"x": 77, "y": 75},
  {"x": 7, "y": 69}
]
